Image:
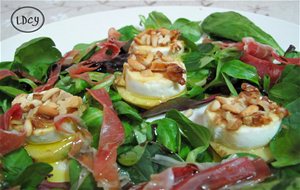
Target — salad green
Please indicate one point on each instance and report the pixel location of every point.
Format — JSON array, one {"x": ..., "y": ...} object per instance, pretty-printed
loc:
[{"x": 233, "y": 26}]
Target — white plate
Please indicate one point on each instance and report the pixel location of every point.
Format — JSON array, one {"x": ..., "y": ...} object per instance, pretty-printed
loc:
[{"x": 92, "y": 27}]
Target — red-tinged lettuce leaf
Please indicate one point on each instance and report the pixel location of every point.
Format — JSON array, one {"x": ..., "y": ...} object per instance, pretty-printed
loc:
[{"x": 181, "y": 103}]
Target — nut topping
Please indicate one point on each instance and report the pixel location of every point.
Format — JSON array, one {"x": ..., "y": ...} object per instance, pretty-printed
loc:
[
  {"x": 47, "y": 110},
  {"x": 158, "y": 38},
  {"x": 150, "y": 63},
  {"x": 249, "y": 108},
  {"x": 39, "y": 109}
]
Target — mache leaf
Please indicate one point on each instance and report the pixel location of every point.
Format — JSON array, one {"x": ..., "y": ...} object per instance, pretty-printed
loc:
[
  {"x": 80, "y": 178},
  {"x": 92, "y": 118},
  {"x": 145, "y": 167},
  {"x": 156, "y": 20},
  {"x": 187, "y": 28},
  {"x": 14, "y": 164},
  {"x": 123, "y": 108},
  {"x": 33, "y": 175},
  {"x": 168, "y": 133},
  {"x": 196, "y": 134},
  {"x": 72, "y": 85},
  {"x": 287, "y": 89},
  {"x": 128, "y": 32},
  {"x": 11, "y": 91},
  {"x": 240, "y": 70}
]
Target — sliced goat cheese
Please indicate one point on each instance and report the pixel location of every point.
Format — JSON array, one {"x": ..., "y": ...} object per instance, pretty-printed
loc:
[{"x": 247, "y": 121}]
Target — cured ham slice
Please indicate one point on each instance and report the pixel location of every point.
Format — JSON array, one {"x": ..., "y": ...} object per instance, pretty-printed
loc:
[
  {"x": 101, "y": 163},
  {"x": 6, "y": 73},
  {"x": 105, "y": 169},
  {"x": 260, "y": 56},
  {"x": 65, "y": 60},
  {"x": 10, "y": 140},
  {"x": 191, "y": 177},
  {"x": 109, "y": 50}
]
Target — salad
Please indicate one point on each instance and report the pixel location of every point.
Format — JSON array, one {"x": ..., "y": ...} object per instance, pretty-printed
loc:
[{"x": 211, "y": 104}]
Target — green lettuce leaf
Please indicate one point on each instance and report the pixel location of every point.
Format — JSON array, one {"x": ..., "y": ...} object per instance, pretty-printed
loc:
[
  {"x": 190, "y": 31},
  {"x": 76, "y": 172},
  {"x": 285, "y": 145},
  {"x": 19, "y": 170},
  {"x": 155, "y": 20},
  {"x": 33, "y": 175},
  {"x": 15, "y": 163},
  {"x": 145, "y": 166},
  {"x": 233, "y": 26},
  {"x": 240, "y": 70},
  {"x": 85, "y": 51},
  {"x": 128, "y": 32},
  {"x": 187, "y": 28},
  {"x": 36, "y": 56},
  {"x": 92, "y": 118},
  {"x": 167, "y": 133},
  {"x": 287, "y": 89},
  {"x": 197, "y": 135},
  {"x": 72, "y": 85},
  {"x": 123, "y": 108}
]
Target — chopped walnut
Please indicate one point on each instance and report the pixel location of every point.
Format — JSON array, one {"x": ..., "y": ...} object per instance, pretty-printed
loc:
[
  {"x": 39, "y": 109},
  {"x": 148, "y": 64},
  {"x": 249, "y": 108},
  {"x": 158, "y": 38}
]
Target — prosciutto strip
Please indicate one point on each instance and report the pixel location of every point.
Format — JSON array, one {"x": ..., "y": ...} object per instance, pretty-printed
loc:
[
  {"x": 286, "y": 60},
  {"x": 28, "y": 76},
  {"x": 80, "y": 70},
  {"x": 65, "y": 60},
  {"x": 60, "y": 120},
  {"x": 80, "y": 150},
  {"x": 109, "y": 50},
  {"x": 10, "y": 140},
  {"x": 256, "y": 49},
  {"x": 6, "y": 73},
  {"x": 260, "y": 56},
  {"x": 190, "y": 177},
  {"x": 105, "y": 169},
  {"x": 46, "y": 185},
  {"x": 15, "y": 112},
  {"x": 51, "y": 81},
  {"x": 263, "y": 67}
]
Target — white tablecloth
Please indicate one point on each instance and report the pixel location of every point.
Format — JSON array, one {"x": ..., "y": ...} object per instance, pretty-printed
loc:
[{"x": 55, "y": 10}]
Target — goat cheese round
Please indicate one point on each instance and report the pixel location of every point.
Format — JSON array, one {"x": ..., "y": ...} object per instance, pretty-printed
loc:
[{"x": 247, "y": 121}]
